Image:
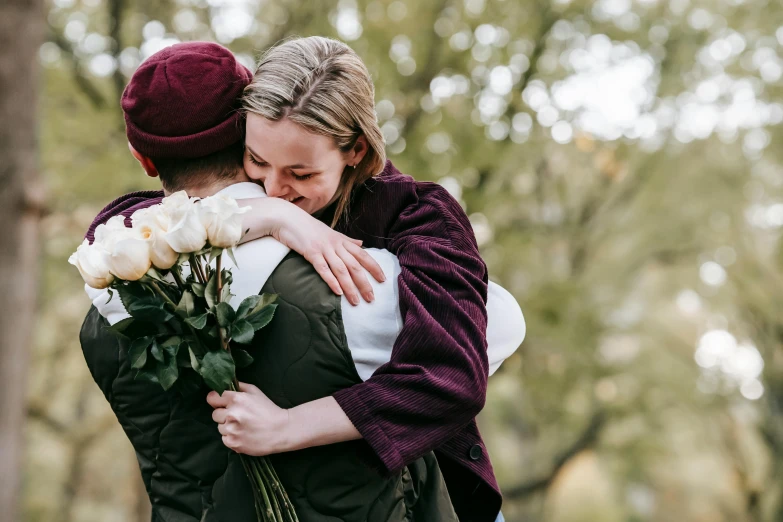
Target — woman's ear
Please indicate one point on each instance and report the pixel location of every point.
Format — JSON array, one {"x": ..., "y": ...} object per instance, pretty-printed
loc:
[
  {"x": 146, "y": 163},
  {"x": 359, "y": 150}
]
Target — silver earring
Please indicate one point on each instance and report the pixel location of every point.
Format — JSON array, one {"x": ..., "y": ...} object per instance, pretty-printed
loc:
[{"x": 354, "y": 167}]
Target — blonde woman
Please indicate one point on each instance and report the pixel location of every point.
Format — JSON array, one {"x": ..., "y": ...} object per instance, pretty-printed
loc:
[{"x": 313, "y": 141}]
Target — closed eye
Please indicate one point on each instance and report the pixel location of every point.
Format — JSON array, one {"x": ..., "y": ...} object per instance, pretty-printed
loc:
[
  {"x": 262, "y": 163},
  {"x": 254, "y": 161}
]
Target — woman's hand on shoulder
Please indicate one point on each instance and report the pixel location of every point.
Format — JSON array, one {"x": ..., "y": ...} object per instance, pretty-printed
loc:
[{"x": 339, "y": 260}]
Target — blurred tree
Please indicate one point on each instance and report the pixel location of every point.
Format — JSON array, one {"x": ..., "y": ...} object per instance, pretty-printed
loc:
[{"x": 21, "y": 33}]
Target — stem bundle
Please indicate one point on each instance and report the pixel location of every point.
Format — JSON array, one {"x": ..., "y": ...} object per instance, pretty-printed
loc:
[{"x": 269, "y": 496}]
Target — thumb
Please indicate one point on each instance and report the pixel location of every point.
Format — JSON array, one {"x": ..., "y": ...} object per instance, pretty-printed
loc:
[{"x": 249, "y": 388}]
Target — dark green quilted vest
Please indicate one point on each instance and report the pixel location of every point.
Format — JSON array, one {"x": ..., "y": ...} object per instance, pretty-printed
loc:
[{"x": 300, "y": 356}]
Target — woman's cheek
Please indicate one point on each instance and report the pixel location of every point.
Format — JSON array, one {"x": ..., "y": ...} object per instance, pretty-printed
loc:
[{"x": 251, "y": 170}]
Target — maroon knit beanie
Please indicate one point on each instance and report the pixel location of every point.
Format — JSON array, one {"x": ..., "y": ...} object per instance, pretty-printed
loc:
[{"x": 183, "y": 101}]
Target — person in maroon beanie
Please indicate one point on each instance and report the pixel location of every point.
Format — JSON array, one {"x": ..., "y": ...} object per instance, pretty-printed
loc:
[{"x": 313, "y": 141}]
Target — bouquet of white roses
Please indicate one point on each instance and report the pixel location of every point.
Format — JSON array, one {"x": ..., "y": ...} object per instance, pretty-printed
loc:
[{"x": 167, "y": 270}]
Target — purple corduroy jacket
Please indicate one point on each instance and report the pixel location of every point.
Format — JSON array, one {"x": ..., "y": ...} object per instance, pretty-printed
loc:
[{"x": 428, "y": 395}]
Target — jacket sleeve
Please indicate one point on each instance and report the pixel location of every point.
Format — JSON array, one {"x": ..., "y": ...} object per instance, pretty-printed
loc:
[{"x": 436, "y": 380}]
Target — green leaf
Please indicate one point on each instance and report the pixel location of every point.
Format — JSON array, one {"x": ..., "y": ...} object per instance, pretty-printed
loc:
[
  {"x": 217, "y": 369},
  {"x": 247, "y": 305},
  {"x": 230, "y": 252},
  {"x": 262, "y": 317},
  {"x": 226, "y": 294},
  {"x": 130, "y": 292},
  {"x": 155, "y": 275},
  {"x": 198, "y": 322},
  {"x": 210, "y": 293},
  {"x": 111, "y": 295},
  {"x": 215, "y": 252},
  {"x": 198, "y": 289},
  {"x": 183, "y": 357},
  {"x": 242, "y": 332},
  {"x": 138, "y": 352},
  {"x": 167, "y": 373},
  {"x": 150, "y": 308},
  {"x": 146, "y": 375},
  {"x": 266, "y": 299},
  {"x": 242, "y": 359},
  {"x": 173, "y": 341},
  {"x": 225, "y": 314},
  {"x": 119, "y": 328},
  {"x": 187, "y": 304},
  {"x": 194, "y": 362},
  {"x": 157, "y": 352}
]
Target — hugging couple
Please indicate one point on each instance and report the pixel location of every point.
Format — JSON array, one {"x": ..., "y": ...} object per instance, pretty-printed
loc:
[{"x": 365, "y": 387}]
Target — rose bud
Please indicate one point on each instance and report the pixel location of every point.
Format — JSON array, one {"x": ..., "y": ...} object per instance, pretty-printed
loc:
[
  {"x": 222, "y": 217},
  {"x": 186, "y": 232},
  {"x": 92, "y": 261},
  {"x": 153, "y": 224},
  {"x": 130, "y": 258}
]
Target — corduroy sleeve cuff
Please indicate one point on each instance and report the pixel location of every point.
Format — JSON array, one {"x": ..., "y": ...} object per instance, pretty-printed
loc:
[{"x": 363, "y": 419}]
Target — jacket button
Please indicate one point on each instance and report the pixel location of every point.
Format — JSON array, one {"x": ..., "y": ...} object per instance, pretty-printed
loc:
[{"x": 475, "y": 452}]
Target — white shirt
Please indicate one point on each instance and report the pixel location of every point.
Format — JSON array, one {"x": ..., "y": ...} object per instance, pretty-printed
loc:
[{"x": 370, "y": 328}]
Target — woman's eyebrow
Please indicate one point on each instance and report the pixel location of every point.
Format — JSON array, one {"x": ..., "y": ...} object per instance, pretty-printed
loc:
[{"x": 294, "y": 166}]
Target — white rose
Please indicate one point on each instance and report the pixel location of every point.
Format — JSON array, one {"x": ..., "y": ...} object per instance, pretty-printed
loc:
[
  {"x": 130, "y": 258},
  {"x": 93, "y": 264},
  {"x": 186, "y": 232},
  {"x": 128, "y": 251},
  {"x": 105, "y": 233},
  {"x": 153, "y": 225},
  {"x": 222, "y": 217}
]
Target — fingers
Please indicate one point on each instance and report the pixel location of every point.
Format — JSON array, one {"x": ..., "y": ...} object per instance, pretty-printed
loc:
[
  {"x": 219, "y": 415},
  {"x": 343, "y": 276},
  {"x": 358, "y": 274},
  {"x": 367, "y": 261},
  {"x": 249, "y": 388},
  {"x": 225, "y": 429},
  {"x": 230, "y": 442},
  {"x": 220, "y": 401},
  {"x": 322, "y": 267}
]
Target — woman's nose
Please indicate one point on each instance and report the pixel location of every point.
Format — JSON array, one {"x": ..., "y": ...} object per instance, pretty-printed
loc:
[{"x": 273, "y": 186}]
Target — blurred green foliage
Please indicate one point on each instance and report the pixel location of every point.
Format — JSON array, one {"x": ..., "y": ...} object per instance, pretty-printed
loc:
[{"x": 620, "y": 162}]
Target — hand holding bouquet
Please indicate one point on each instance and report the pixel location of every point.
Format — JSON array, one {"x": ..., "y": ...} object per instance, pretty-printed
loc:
[{"x": 181, "y": 326}]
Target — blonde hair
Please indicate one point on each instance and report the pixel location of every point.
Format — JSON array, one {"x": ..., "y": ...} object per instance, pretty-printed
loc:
[{"x": 324, "y": 86}]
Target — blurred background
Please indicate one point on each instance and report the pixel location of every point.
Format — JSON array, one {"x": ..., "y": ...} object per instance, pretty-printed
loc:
[{"x": 621, "y": 163}]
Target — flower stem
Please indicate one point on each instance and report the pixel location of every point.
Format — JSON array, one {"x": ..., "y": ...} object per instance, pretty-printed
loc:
[
  {"x": 178, "y": 277},
  {"x": 262, "y": 466},
  {"x": 218, "y": 264},
  {"x": 256, "y": 494},
  {"x": 262, "y": 486},
  {"x": 195, "y": 267},
  {"x": 166, "y": 298},
  {"x": 258, "y": 469}
]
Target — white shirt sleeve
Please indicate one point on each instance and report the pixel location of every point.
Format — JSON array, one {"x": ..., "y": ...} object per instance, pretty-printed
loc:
[
  {"x": 109, "y": 307},
  {"x": 372, "y": 328},
  {"x": 505, "y": 325}
]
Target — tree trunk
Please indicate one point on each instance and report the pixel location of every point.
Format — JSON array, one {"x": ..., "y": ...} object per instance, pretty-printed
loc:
[{"x": 21, "y": 34}]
